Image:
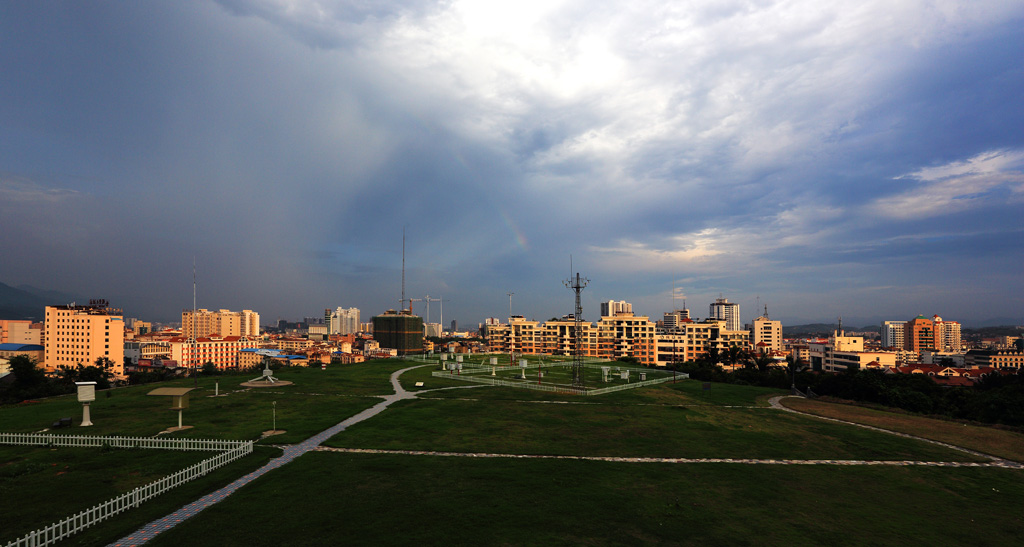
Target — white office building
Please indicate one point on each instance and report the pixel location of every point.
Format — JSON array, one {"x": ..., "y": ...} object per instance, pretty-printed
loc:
[{"x": 729, "y": 312}]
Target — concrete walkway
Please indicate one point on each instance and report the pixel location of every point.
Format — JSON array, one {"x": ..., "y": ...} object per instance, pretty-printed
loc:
[
  {"x": 291, "y": 452},
  {"x": 617, "y": 459}
]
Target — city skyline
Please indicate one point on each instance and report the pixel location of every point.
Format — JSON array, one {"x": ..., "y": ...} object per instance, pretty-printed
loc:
[{"x": 826, "y": 160}]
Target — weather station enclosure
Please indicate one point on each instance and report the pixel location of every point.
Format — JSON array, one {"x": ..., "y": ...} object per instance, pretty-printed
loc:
[
  {"x": 551, "y": 373},
  {"x": 179, "y": 401}
]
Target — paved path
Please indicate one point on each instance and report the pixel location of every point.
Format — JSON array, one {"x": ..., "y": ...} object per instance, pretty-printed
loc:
[
  {"x": 748, "y": 461},
  {"x": 291, "y": 452}
]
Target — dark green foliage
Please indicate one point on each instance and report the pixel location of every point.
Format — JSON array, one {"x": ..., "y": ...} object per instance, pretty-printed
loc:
[{"x": 997, "y": 399}]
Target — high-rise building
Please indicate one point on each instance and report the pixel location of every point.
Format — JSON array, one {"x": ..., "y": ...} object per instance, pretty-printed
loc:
[
  {"x": 344, "y": 321},
  {"x": 892, "y": 334},
  {"x": 79, "y": 335},
  {"x": 947, "y": 334},
  {"x": 400, "y": 331},
  {"x": 919, "y": 334},
  {"x": 432, "y": 329},
  {"x": 727, "y": 311},
  {"x": 223, "y": 323},
  {"x": 612, "y": 308}
]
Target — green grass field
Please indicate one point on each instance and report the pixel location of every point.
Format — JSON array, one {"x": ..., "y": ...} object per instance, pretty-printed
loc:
[
  {"x": 313, "y": 403},
  {"x": 396, "y": 500},
  {"x": 330, "y": 498},
  {"x": 39, "y": 486}
]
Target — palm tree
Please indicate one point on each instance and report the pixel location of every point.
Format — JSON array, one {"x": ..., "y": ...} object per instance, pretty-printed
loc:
[{"x": 734, "y": 355}]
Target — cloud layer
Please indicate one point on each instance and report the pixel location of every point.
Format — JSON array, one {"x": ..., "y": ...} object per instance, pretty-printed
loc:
[{"x": 821, "y": 157}]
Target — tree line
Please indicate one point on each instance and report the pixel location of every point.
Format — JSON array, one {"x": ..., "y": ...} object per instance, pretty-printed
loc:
[{"x": 994, "y": 398}]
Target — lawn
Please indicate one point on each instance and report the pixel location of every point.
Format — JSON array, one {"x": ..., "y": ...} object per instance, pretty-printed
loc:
[
  {"x": 329, "y": 499},
  {"x": 679, "y": 392},
  {"x": 628, "y": 430},
  {"x": 986, "y": 439},
  {"x": 317, "y": 400},
  {"x": 39, "y": 486}
]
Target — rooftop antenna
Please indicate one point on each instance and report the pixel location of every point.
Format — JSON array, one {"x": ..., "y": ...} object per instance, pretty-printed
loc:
[{"x": 510, "y": 305}]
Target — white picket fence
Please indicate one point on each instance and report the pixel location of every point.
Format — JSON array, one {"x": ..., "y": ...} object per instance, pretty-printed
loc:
[
  {"x": 73, "y": 441},
  {"x": 229, "y": 452}
]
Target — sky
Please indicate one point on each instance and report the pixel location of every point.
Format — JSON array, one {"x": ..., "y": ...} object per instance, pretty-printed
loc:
[{"x": 823, "y": 158}]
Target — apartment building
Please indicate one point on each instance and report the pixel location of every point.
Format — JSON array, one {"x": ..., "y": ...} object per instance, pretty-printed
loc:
[
  {"x": 221, "y": 323},
  {"x": 13, "y": 331},
  {"x": 342, "y": 321},
  {"x": 612, "y": 308},
  {"x": 221, "y": 351},
  {"x": 80, "y": 334},
  {"x": 765, "y": 334},
  {"x": 921, "y": 333},
  {"x": 892, "y": 334},
  {"x": 843, "y": 352}
]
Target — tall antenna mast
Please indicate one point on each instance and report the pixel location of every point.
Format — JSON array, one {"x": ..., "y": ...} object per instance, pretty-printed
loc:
[
  {"x": 402, "y": 301},
  {"x": 510, "y": 305},
  {"x": 192, "y": 351},
  {"x": 577, "y": 285}
]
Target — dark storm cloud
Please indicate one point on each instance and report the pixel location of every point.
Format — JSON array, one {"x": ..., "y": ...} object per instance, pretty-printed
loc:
[{"x": 803, "y": 152}]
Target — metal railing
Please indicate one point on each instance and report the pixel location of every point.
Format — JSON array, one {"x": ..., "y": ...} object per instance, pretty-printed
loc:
[
  {"x": 229, "y": 452},
  {"x": 529, "y": 384}
]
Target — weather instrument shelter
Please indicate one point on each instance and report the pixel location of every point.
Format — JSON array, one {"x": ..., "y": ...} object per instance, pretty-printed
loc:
[
  {"x": 179, "y": 400},
  {"x": 86, "y": 395}
]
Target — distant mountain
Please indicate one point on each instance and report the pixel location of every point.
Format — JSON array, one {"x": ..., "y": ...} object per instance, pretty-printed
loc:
[
  {"x": 20, "y": 304},
  {"x": 52, "y": 297}
]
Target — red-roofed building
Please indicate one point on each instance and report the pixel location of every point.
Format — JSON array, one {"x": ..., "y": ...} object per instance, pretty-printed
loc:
[{"x": 222, "y": 352}]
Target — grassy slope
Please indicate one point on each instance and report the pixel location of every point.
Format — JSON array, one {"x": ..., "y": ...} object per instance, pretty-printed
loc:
[
  {"x": 33, "y": 495},
  {"x": 1002, "y": 443},
  {"x": 392, "y": 500},
  {"x": 331, "y": 498}
]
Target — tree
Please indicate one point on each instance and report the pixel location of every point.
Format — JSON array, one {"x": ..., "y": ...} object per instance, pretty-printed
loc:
[
  {"x": 733, "y": 355},
  {"x": 26, "y": 374},
  {"x": 209, "y": 369},
  {"x": 761, "y": 362}
]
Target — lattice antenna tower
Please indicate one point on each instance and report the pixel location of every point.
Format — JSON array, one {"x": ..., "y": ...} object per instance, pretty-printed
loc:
[
  {"x": 577, "y": 284},
  {"x": 402, "y": 301}
]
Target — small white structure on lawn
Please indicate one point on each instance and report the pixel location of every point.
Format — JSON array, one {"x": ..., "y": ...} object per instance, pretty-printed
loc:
[
  {"x": 86, "y": 395},
  {"x": 179, "y": 401}
]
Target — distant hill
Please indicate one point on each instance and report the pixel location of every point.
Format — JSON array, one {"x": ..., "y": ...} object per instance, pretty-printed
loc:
[
  {"x": 20, "y": 304},
  {"x": 52, "y": 297},
  {"x": 28, "y": 302},
  {"x": 822, "y": 329}
]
